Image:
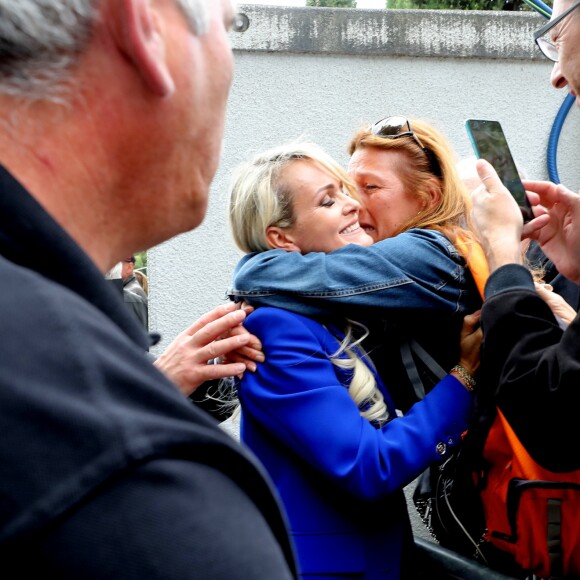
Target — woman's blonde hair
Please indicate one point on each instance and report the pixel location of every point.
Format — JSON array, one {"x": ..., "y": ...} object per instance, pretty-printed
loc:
[
  {"x": 260, "y": 198},
  {"x": 450, "y": 215},
  {"x": 363, "y": 387}
]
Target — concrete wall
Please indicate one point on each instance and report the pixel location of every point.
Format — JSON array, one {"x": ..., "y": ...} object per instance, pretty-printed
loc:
[{"x": 321, "y": 73}]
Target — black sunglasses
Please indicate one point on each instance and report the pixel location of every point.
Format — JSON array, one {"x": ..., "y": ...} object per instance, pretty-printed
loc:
[
  {"x": 545, "y": 44},
  {"x": 395, "y": 127}
]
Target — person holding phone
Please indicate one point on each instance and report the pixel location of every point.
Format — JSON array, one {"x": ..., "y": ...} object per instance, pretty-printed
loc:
[
  {"x": 552, "y": 282},
  {"x": 536, "y": 363}
]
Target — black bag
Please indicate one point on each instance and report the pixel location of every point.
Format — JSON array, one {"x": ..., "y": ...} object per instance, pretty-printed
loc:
[
  {"x": 449, "y": 505},
  {"x": 446, "y": 496},
  {"x": 434, "y": 495}
]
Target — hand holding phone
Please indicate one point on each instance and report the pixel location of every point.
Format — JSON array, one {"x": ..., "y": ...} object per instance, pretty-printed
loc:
[{"x": 489, "y": 143}]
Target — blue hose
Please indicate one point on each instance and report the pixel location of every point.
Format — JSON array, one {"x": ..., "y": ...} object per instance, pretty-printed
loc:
[
  {"x": 543, "y": 6},
  {"x": 540, "y": 7},
  {"x": 555, "y": 136}
]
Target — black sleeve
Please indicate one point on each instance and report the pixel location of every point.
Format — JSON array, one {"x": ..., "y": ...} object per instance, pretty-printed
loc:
[
  {"x": 212, "y": 397},
  {"x": 534, "y": 368},
  {"x": 168, "y": 519}
]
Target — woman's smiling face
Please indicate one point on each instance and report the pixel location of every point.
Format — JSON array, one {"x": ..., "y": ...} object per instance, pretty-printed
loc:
[{"x": 325, "y": 215}]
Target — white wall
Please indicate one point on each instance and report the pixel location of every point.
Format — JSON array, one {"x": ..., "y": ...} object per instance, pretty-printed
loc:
[{"x": 321, "y": 73}]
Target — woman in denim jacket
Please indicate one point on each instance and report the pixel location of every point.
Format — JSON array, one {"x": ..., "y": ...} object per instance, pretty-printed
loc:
[
  {"x": 412, "y": 287},
  {"x": 315, "y": 412}
]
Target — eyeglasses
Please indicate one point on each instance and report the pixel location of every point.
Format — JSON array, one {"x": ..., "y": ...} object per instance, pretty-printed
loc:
[
  {"x": 542, "y": 35},
  {"x": 395, "y": 127}
]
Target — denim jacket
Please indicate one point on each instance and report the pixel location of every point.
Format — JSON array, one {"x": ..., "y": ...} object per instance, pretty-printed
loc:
[{"x": 414, "y": 285}]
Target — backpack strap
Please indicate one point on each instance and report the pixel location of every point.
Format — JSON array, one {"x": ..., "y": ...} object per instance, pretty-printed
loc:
[
  {"x": 411, "y": 349},
  {"x": 554, "y": 536}
]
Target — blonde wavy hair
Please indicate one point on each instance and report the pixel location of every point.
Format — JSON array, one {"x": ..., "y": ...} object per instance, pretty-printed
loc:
[
  {"x": 260, "y": 197},
  {"x": 450, "y": 215}
]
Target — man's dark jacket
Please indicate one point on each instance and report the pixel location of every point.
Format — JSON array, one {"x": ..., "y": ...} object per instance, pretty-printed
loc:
[
  {"x": 106, "y": 470},
  {"x": 534, "y": 367}
]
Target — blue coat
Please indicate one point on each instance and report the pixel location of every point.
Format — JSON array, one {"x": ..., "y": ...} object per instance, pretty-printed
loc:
[{"x": 340, "y": 478}]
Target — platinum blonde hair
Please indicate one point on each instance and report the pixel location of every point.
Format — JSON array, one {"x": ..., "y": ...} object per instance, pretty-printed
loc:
[
  {"x": 41, "y": 41},
  {"x": 260, "y": 197},
  {"x": 363, "y": 387}
]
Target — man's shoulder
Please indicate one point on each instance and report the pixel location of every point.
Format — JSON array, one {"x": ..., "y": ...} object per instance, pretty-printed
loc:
[
  {"x": 58, "y": 345},
  {"x": 53, "y": 335},
  {"x": 25, "y": 294},
  {"x": 43, "y": 315},
  {"x": 130, "y": 296},
  {"x": 132, "y": 285},
  {"x": 79, "y": 403}
]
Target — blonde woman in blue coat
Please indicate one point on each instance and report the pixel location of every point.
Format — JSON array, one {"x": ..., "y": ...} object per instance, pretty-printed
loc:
[{"x": 315, "y": 412}]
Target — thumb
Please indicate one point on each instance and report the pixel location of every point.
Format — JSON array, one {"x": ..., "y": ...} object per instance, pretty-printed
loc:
[
  {"x": 470, "y": 322},
  {"x": 488, "y": 176}
]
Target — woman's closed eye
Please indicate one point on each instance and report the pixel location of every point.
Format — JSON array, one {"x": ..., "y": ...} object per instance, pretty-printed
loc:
[{"x": 327, "y": 202}]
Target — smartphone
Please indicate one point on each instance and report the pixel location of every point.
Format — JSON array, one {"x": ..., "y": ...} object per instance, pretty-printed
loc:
[{"x": 489, "y": 143}]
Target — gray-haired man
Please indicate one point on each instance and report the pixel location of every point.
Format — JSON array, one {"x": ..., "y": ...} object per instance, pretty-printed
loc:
[{"x": 112, "y": 113}]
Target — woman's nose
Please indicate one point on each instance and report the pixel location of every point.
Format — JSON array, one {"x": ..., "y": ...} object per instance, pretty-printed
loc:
[
  {"x": 557, "y": 79},
  {"x": 350, "y": 205}
]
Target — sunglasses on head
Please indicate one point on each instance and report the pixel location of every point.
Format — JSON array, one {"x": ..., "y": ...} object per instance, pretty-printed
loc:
[{"x": 395, "y": 127}]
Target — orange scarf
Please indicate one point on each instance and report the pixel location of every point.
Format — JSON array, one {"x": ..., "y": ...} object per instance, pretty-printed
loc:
[{"x": 474, "y": 257}]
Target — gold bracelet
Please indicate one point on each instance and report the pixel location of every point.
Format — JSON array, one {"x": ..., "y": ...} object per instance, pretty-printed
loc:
[{"x": 470, "y": 382}]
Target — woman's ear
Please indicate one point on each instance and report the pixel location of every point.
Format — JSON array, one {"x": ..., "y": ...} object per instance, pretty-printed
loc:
[
  {"x": 433, "y": 197},
  {"x": 140, "y": 36},
  {"x": 281, "y": 238}
]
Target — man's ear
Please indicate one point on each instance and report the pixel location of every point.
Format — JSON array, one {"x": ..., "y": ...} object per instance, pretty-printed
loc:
[
  {"x": 281, "y": 238},
  {"x": 141, "y": 37}
]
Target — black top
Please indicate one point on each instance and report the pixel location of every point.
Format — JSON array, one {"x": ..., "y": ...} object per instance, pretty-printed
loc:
[{"x": 107, "y": 470}]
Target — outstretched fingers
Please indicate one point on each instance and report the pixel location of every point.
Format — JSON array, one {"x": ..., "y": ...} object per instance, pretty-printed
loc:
[
  {"x": 215, "y": 328},
  {"x": 217, "y": 313}
]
